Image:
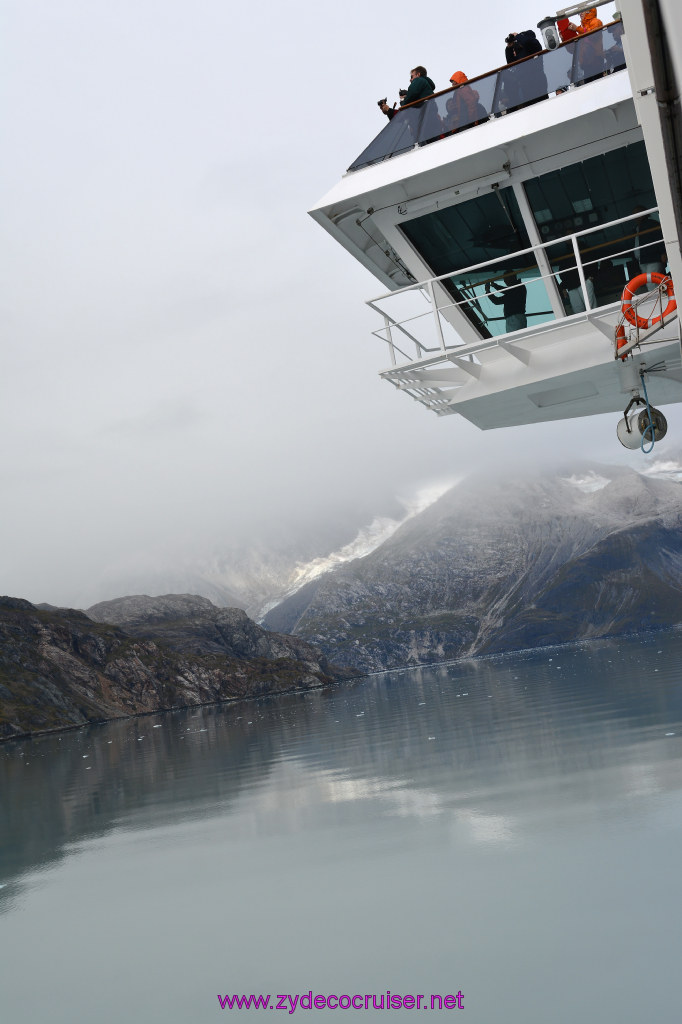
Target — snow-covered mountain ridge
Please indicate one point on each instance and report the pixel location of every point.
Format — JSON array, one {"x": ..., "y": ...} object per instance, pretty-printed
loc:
[{"x": 502, "y": 564}]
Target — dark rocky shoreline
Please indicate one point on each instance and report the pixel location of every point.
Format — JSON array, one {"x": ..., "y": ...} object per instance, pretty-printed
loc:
[{"x": 60, "y": 669}]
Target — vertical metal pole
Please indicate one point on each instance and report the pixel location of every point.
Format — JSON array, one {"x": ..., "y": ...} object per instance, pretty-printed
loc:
[
  {"x": 389, "y": 339},
  {"x": 439, "y": 326},
  {"x": 496, "y": 95},
  {"x": 581, "y": 272}
]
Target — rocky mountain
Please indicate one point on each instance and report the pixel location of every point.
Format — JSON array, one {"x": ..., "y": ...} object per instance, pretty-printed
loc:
[
  {"x": 504, "y": 564},
  {"x": 60, "y": 667},
  {"x": 260, "y": 573}
]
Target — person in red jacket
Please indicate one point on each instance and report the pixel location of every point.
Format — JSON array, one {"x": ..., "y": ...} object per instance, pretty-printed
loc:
[{"x": 567, "y": 30}]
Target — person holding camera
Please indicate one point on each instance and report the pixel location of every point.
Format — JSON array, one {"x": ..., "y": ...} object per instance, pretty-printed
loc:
[
  {"x": 390, "y": 112},
  {"x": 420, "y": 86},
  {"x": 527, "y": 84}
]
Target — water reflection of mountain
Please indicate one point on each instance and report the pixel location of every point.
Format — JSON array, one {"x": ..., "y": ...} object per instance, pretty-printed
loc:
[{"x": 473, "y": 740}]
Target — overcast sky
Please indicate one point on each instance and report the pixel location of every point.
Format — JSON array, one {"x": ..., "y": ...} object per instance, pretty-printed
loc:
[{"x": 186, "y": 355}]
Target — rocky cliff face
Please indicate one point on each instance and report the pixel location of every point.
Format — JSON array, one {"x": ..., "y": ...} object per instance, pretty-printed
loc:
[
  {"x": 502, "y": 565},
  {"x": 60, "y": 668}
]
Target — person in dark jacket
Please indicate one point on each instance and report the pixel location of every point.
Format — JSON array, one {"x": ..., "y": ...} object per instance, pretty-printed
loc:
[
  {"x": 513, "y": 301},
  {"x": 420, "y": 87},
  {"x": 425, "y": 123},
  {"x": 520, "y": 45},
  {"x": 526, "y": 84}
]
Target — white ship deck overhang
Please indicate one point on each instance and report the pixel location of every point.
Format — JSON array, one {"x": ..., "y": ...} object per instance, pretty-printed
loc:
[{"x": 552, "y": 197}]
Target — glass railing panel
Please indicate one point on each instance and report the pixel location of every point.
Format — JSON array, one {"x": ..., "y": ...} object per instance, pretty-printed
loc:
[
  {"x": 515, "y": 86},
  {"x": 596, "y": 53},
  {"x": 454, "y": 111},
  {"x": 521, "y": 84},
  {"x": 558, "y": 69},
  {"x": 612, "y": 42},
  {"x": 399, "y": 135}
]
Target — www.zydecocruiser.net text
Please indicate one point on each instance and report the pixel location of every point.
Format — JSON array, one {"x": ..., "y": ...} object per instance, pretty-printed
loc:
[{"x": 308, "y": 1001}]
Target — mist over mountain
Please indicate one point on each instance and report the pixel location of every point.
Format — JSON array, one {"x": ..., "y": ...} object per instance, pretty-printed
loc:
[
  {"x": 258, "y": 575},
  {"x": 505, "y": 564}
]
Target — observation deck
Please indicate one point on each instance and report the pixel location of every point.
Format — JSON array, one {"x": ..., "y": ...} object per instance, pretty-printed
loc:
[{"x": 505, "y": 228}]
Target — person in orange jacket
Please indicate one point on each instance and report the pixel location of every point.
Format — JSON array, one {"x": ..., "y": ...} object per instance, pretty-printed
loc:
[
  {"x": 591, "y": 55},
  {"x": 464, "y": 108}
]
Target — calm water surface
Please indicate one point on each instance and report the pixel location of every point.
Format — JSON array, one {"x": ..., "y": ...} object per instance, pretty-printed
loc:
[{"x": 508, "y": 828}]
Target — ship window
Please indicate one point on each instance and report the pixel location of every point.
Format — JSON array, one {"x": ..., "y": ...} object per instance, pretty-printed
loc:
[
  {"x": 489, "y": 227},
  {"x": 591, "y": 194}
]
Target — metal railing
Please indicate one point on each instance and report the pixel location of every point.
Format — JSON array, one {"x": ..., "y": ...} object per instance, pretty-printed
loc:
[
  {"x": 438, "y": 291},
  {"x": 499, "y": 92}
]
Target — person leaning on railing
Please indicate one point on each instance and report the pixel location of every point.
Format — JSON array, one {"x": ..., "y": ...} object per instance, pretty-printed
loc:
[
  {"x": 419, "y": 88},
  {"x": 528, "y": 84},
  {"x": 591, "y": 54},
  {"x": 463, "y": 108}
]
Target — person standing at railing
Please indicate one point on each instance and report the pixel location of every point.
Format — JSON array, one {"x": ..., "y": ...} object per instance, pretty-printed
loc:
[
  {"x": 567, "y": 30},
  {"x": 591, "y": 52},
  {"x": 420, "y": 86},
  {"x": 528, "y": 83},
  {"x": 512, "y": 300},
  {"x": 463, "y": 108}
]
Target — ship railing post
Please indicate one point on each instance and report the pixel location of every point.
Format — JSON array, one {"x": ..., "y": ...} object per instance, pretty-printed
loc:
[
  {"x": 581, "y": 272},
  {"x": 389, "y": 339},
  {"x": 496, "y": 95},
  {"x": 439, "y": 326}
]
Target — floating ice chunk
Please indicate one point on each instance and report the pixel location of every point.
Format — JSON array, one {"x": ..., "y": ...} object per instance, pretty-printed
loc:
[
  {"x": 84, "y": 756},
  {"x": 432, "y": 737},
  {"x": 421, "y": 703},
  {"x": 157, "y": 727},
  {"x": 360, "y": 715},
  {"x": 670, "y": 734}
]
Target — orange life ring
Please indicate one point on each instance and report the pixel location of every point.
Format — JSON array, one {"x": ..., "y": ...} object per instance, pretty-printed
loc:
[
  {"x": 629, "y": 293},
  {"x": 621, "y": 340}
]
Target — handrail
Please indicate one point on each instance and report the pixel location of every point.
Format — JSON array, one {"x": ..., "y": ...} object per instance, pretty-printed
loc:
[
  {"x": 503, "y": 67},
  {"x": 519, "y": 252},
  {"x": 437, "y": 310},
  {"x": 518, "y": 89}
]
